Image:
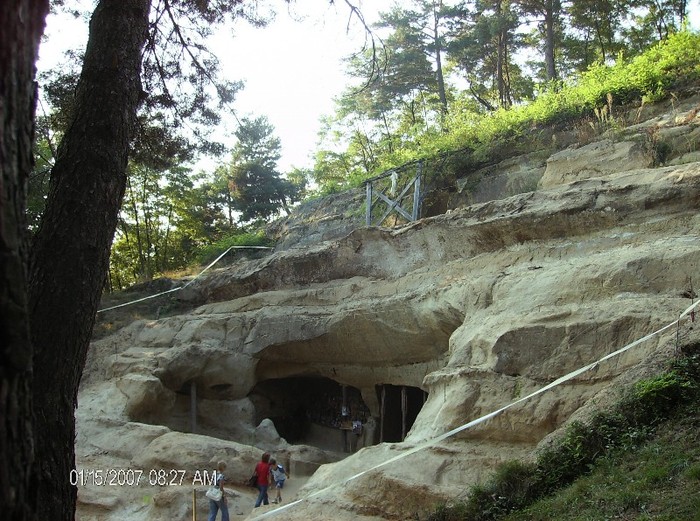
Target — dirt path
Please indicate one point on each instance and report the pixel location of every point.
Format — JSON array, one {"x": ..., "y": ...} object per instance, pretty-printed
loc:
[{"x": 241, "y": 501}]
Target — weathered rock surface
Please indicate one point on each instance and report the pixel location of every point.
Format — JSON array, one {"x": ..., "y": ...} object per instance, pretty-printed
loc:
[{"x": 478, "y": 307}]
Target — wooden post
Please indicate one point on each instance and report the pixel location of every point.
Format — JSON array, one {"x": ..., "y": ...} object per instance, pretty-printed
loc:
[
  {"x": 416, "y": 191},
  {"x": 404, "y": 406},
  {"x": 381, "y": 414},
  {"x": 193, "y": 406},
  {"x": 194, "y": 506},
  {"x": 368, "y": 212},
  {"x": 345, "y": 414}
]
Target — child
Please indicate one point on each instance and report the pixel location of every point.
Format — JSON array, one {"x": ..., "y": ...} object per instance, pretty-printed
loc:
[{"x": 279, "y": 475}]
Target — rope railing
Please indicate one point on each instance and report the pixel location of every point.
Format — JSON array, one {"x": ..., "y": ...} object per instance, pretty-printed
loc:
[
  {"x": 688, "y": 313},
  {"x": 184, "y": 285}
]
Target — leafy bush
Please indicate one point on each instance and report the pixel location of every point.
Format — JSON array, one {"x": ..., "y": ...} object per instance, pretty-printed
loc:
[
  {"x": 631, "y": 421},
  {"x": 210, "y": 252},
  {"x": 672, "y": 64},
  {"x": 693, "y": 472}
]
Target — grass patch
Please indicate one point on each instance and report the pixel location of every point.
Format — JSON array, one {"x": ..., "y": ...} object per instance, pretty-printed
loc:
[
  {"x": 468, "y": 140},
  {"x": 653, "y": 482},
  {"x": 628, "y": 462},
  {"x": 208, "y": 253}
]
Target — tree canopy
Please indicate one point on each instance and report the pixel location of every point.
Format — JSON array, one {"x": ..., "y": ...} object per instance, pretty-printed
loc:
[
  {"x": 449, "y": 61},
  {"x": 147, "y": 95},
  {"x": 254, "y": 188}
]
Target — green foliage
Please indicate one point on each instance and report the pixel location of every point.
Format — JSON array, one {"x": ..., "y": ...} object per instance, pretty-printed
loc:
[
  {"x": 455, "y": 512},
  {"x": 251, "y": 184},
  {"x": 210, "y": 252},
  {"x": 658, "y": 395},
  {"x": 652, "y": 482},
  {"x": 255, "y": 190},
  {"x": 508, "y": 489},
  {"x": 624, "y": 427},
  {"x": 481, "y": 138},
  {"x": 165, "y": 218},
  {"x": 693, "y": 472},
  {"x": 484, "y": 45}
]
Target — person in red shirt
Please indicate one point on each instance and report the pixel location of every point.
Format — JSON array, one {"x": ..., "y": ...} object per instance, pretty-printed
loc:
[{"x": 262, "y": 469}]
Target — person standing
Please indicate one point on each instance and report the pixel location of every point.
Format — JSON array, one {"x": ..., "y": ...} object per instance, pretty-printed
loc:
[
  {"x": 262, "y": 470},
  {"x": 279, "y": 476},
  {"x": 215, "y": 506}
]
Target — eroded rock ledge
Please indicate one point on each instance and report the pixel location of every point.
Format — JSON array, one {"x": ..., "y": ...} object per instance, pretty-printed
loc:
[{"x": 473, "y": 308}]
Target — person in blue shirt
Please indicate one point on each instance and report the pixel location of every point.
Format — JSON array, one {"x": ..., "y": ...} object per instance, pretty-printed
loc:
[{"x": 279, "y": 476}]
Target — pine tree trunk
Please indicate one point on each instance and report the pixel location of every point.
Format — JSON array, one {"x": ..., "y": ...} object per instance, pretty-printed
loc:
[
  {"x": 70, "y": 255},
  {"x": 500, "y": 57},
  {"x": 21, "y": 26},
  {"x": 549, "y": 57},
  {"x": 438, "y": 56}
]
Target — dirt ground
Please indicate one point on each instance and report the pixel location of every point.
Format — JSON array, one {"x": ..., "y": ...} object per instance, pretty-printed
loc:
[{"x": 241, "y": 501}]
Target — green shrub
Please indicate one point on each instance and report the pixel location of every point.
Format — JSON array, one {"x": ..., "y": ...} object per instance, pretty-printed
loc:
[
  {"x": 209, "y": 253},
  {"x": 693, "y": 472},
  {"x": 624, "y": 427},
  {"x": 480, "y": 138},
  {"x": 444, "y": 512}
]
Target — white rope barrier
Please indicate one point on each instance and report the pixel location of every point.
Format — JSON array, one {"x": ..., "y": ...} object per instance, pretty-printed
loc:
[
  {"x": 190, "y": 282},
  {"x": 477, "y": 421}
]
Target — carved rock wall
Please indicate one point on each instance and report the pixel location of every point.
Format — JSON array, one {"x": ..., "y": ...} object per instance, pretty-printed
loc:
[{"x": 477, "y": 307}]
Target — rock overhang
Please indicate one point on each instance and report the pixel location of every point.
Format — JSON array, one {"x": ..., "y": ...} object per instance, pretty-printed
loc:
[{"x": 479, "y": 306}]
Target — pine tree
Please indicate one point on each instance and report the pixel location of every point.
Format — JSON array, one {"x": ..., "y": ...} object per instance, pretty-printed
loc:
[{"x": 257, "y": 188}]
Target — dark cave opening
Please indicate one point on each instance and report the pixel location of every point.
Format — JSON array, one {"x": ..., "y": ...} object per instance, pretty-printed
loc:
[
  {"x": 321, "y": 412},
  {"x": 399, "y": 408},
  {"x": 315, "y": 411}
]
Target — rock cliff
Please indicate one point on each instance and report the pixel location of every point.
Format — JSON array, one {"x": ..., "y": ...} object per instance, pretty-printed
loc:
[{"x": 540, "y": 266}]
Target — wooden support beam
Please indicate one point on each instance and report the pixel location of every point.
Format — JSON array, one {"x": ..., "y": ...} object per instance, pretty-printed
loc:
[
  {"x": 404, "y": 412},
  {"x": 416, "y": 191},
  {"x": 382, "y": 410},
  {"x": 394, "y": 204},
  {"x": 193, "y": 406},
  {"x": 368, "y": 212}
]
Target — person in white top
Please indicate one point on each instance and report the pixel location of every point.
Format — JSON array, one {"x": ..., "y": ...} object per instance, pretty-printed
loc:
[{"x": 279, "y": 476}]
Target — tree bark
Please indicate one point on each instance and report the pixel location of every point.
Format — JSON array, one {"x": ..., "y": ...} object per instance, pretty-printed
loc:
[
  {"x": 549, "y": 40},
  {"x": 550, "y": 11},
  {"x": 70, "y": 255},
  {"x": 501, "y": 56},
  {"x": 21, "y": 26},
  {"x": 437, "y": 6}
]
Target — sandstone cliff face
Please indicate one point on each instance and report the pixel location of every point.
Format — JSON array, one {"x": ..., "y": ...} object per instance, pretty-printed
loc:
[{"x": 582, "y": 252}]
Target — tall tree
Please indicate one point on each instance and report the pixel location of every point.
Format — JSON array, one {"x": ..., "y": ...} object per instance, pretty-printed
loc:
[
  {"x": 67, "y": 269},
  {"x": 257, "y": 188},
  {"x": 392, "y": 104},
  {"x": 418, "y": 28},
  {"x": 415, "y": 48},
  {"x": 21, "y": 27},
  {"x": 595, "y": 26},
  {"x": 547, "y": 14},
  {"x": 164, "y": 220},
  {"x": 649, "y": 21},
  {"x": 485, "y": 48},
  {"x": 70, "y": 253}
]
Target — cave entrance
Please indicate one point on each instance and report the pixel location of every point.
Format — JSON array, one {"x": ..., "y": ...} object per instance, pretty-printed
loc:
[
  {"x": 399, "y": 406},
  {"x": 313, "y": 411}
]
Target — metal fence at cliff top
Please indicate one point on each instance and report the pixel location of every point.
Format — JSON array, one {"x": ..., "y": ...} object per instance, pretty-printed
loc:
[{"x": 395, "y": 193}]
